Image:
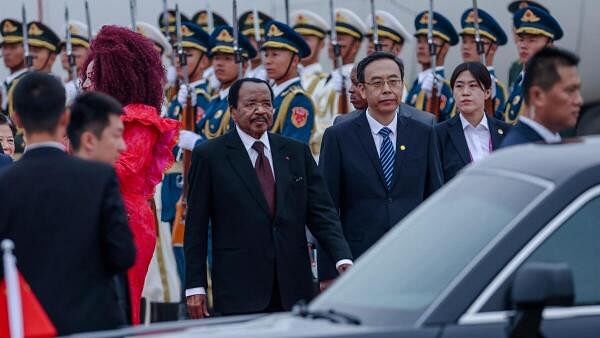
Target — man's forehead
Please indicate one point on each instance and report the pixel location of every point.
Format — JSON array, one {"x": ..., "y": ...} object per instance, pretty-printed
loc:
[
  {"x": 382, "y": 68},
  {"x": 254, "y": 88}
]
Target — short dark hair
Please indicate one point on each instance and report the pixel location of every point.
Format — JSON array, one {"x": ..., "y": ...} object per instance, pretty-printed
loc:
[
  {"x": 234, "y": 90},
  {"x": 360, "y": 69},
  {"x": 5, "y": 120},
  {"x": 477, "y": 69},
  {"x": 542, "y": 69},
  {"x": 39, "y": 100},
  {"x": 90, "y": 112}
]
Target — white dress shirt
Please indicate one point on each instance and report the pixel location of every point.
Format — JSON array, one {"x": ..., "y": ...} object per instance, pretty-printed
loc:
[
  {"x": 248, "y": 141},
  {"x": 279, "y": 88},
  {"x": 375, "y": 127},
  {"x": 479, "y": 140},
  {"x": 546, "y": 134}
]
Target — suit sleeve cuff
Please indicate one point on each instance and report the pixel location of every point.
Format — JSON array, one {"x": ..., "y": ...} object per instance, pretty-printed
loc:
[
  {"x": 195, "y": 291},
  {"x": 340, "y": 262}
]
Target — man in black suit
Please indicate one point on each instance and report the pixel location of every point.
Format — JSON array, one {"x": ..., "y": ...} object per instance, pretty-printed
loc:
[
  {"x": 5, "y": 160},
  {"x": 380, "y": 165},
  {"x": 552, "y": 94},
  {"x": 360, "y": 104},
  {"x": 65, "y": 216},
  {"x": 258, "y": 190}
]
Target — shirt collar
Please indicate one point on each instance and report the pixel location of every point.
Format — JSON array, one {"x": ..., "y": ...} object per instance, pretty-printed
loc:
[
  {"x": 48, "y": 144},
  {"x": 248, "y": 140},
  {"x": 312, "y": 68},
  {"x": 465, "y": 124},
  {"x": 375, "y": 126},
  {"x": 15, "y": 75},
  {"x": 546, "y": 134},
  {"x": 224, "y": 93},
  {"x": 279, "y": 88}
]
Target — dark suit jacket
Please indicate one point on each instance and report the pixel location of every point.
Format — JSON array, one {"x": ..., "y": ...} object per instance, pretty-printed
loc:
[
  {"x": 251, "y": 250},
  {"x": 5, "y": 160},
  {"x": 404, "y": 110},
  {"x": 454, "y": 152},
  {"x": 71, "y": 236},
  {"x": 353, "y": 173},
  {"x": 521, "y": 133}
]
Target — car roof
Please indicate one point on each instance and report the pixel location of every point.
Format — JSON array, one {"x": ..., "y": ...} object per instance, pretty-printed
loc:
[{"x": 553, "y": 162}]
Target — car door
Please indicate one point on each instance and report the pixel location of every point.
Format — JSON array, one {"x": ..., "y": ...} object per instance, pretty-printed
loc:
[{"x": 572, "y": 237}]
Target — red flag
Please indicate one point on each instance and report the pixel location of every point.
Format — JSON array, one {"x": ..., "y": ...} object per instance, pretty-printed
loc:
[{"x": 36, "y": 323}]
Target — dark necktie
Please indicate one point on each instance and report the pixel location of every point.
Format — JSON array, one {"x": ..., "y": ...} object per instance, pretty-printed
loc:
[
  {"x": 265, "y": 176},
  {"x": 386, "y": 156}
]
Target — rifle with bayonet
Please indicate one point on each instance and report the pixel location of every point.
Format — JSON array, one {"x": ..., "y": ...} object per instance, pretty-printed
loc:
[
  {"x": 375, "y": 28},
  {"x": 237, "y": 52},
  {"x": 28, "y": 57},
  {"x": 132, "y": 13},
  {"x": 434, "y": 101},
  {"x": 489, "y": 102},
  {"x": 88, "y": 20},
  {"x": 338, "y": 62},
  {"x": 69, "y": 50},
  {"x": 188, "y": 124}
]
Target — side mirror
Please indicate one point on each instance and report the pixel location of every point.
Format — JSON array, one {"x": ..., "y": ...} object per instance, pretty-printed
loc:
[{"x": 537, "y": 285}]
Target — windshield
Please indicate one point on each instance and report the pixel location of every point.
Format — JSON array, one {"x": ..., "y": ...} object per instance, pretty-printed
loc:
[{"x": 395, "y": 281}]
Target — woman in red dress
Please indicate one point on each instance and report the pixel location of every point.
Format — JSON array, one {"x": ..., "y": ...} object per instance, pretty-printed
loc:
[{"x": 125, "y": 65}]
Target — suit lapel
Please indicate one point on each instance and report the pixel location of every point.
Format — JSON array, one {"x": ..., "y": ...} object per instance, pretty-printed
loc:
[
  {"x": 363, "y": 131},
  {"x": 402, "y": 139},
  {"x": 240, "y": 162},
  {"x": 496, "y": 133},
  {"x": 457, "y": 136},
  {"x": 281, "y": 166}
]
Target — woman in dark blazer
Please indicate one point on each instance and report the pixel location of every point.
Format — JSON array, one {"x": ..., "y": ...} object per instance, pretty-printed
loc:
[{"x": 471, "y": 134}]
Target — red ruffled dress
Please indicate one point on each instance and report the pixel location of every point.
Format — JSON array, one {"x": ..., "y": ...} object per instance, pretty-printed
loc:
[{"x": 150, "y": 140}]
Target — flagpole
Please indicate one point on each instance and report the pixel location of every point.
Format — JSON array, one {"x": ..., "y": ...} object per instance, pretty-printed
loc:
[{"x": 13, "y": 293}]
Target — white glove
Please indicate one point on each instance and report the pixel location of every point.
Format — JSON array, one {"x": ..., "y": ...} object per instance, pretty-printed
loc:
[
  {"x": 337, "y": 79},
  {"x": 183, "y": 93},
  {"x": 187, "y": 139},
  {"x": 427, "y": 79},
  {"x": 171, "y": 74}
]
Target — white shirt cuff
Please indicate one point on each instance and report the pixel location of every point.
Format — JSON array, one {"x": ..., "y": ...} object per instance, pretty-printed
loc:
[
  {"x": 337, "y": 265},
  {"x": 195, "y": 291}
]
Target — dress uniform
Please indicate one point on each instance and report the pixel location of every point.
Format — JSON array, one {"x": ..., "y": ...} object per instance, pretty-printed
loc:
[
  {"x": 419, "y": 95},
  {"x": 327, "y": 99},
  {"x": 307, "y": 23},
  {"x": 488, "y": 29},
  {"x": 294, "y": 109},
  {"x": 201, "y": 19},
  {"x": 12, "y": 34},
  {"x": 390, "y": 33},
  {"x": 217, "y": 120},
  {"x": 246, "y": 26},
  {"x": 79, "y": 38},
  {"x": 168, "y": 28},
  {"x": 536, "y": 21}
]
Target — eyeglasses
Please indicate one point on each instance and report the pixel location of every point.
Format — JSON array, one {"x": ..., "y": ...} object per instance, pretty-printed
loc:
[
  {"x": 378, "y": 84},
  {"x": 253, "y": 106}
]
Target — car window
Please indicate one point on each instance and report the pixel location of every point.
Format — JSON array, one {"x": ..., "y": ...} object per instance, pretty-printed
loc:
[
  {"x": 420, "y": 256},
  {"x": 577, "y": 243}
]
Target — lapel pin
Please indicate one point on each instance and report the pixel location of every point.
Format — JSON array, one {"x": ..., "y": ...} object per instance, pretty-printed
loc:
[
  {"x": 287, "y": 158},
  {"x": 500, "y": 131},
  {"x": 403, "y": 147}
]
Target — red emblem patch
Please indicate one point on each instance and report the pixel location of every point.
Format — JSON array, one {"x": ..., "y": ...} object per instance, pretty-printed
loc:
[{"x": 299, "y": 116}]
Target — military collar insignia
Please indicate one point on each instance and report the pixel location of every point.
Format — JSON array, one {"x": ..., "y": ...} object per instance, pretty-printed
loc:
[
  {"x": 225, "y": 36},
  {"x": 274, "y": 31},
  {"x": 529, "y": 16}
]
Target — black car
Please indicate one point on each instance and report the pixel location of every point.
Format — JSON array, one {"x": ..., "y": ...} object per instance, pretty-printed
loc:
[{"x": 509, "y": 247}]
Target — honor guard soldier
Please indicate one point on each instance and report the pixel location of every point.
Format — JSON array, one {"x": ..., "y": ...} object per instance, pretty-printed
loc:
[
  {"x": 391, "y": 34},
  {"x": 80, "y": 47},
  {"x": 421, "y": 95},
  {"x": 247, "y": 28},
  {"x": 492, "y": 35},
  {"x": 13, "y": 56},
  {"x": 313, "y": 29},
  {"x": 294, "y": 110},
  {"x": 196, "y": 46},
  {"x": 535, "y": 29},
  {"x": 217, "y": 120},
  {"x": 350, "y": 32},
  {"x": 201, "y": 19},
  {"x": 167, "y": 27},
  {"x": 44, "y": 46},
  {"x": 515, "y": 67}
]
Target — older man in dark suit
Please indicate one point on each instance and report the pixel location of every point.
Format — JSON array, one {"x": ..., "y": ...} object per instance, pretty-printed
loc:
[
  {"x": 380, "y": 165},
  {"x": 258, "y": 190},
  {"x": 65, "y": 216}
]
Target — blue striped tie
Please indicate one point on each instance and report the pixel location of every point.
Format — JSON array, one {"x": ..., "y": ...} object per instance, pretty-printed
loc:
[{"x": 386, "y": 156}]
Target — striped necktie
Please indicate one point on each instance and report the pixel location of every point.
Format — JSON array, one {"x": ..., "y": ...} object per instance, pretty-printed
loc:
[{"x": 386, "y": 156}]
